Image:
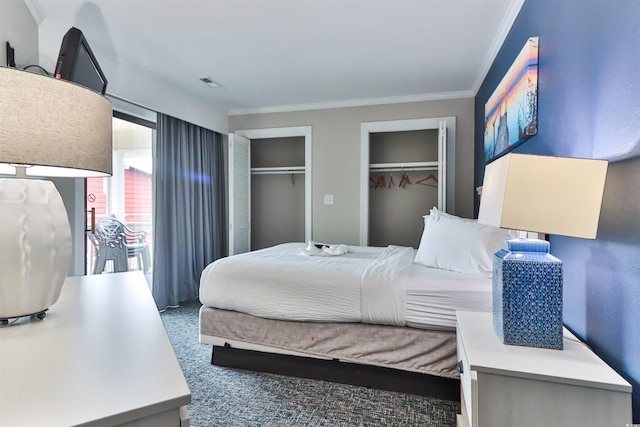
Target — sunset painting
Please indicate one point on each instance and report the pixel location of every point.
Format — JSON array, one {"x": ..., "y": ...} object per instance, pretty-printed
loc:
[{"x": 511, "y": 113}]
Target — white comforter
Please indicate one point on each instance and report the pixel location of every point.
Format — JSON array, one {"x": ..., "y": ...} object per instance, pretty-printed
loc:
[{"x": 365, "y": 285}]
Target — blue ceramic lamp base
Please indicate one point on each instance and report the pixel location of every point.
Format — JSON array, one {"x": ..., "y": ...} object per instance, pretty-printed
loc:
[{"x": 527, "y": 294}]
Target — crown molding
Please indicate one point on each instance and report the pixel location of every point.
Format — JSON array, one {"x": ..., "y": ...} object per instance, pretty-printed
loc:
[
  {"x": 503, "y": 31},
  {"x": 351, "y": 103},
  {"x": 36, "y": 11}
]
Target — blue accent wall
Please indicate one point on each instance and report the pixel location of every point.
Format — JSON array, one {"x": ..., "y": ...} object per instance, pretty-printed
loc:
[{"x": 589, "y": 106}]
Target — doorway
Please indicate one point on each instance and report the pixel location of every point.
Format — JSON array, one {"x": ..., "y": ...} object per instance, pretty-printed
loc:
[
  {"x": 242, "y": 171},
  {"x": 128, "y": 194}
]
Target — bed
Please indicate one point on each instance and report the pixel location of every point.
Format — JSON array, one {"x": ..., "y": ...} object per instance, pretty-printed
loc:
[{"x": 388, "y": 312}]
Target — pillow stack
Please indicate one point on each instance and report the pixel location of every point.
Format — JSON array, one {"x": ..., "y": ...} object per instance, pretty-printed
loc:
[{"x": 458, "y": 244}]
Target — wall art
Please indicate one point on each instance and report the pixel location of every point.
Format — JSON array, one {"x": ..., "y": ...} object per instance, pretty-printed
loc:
[{"x": 511, "y": 113}]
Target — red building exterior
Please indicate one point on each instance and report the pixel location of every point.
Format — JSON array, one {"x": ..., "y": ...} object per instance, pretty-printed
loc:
[
  {"x": 137, "y": 204},
  {"x": 137, "y": 197}
]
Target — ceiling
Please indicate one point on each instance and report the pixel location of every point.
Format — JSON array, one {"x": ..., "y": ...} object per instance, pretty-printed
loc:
[{"x": 284, "y": 53}]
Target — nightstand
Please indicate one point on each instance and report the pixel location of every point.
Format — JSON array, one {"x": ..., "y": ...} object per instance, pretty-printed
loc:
[{"x": 505, "y": 385}]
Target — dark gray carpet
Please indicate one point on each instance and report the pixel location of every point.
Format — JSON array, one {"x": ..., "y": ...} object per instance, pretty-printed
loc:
[{"x": 233, "y": 397}]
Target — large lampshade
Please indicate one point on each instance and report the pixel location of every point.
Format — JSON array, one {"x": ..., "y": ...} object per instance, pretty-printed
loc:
[
  {"x": 551, "y": 195},
  {"x": 57, "y": 127},
  {"x": 48, "y": 127}
]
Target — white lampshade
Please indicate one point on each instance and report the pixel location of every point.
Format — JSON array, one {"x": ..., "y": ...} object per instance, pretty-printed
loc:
[
  {"x": 56, "y": 127},
  {"x": 544, "y": 194},
  {"x": 48, "y": 127}
]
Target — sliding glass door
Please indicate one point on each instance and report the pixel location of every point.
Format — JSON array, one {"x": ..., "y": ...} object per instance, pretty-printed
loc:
[{"x": 128, "y": 194}]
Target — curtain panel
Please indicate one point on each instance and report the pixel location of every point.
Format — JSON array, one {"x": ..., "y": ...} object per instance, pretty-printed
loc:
[{"x": 190, "y": 223}]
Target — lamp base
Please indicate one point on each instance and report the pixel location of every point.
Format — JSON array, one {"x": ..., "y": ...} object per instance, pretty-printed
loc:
[
  {"x": 40, "y": 315},
  {"x": 527, "y": 294},
  {"x": 35, "y": 246}
]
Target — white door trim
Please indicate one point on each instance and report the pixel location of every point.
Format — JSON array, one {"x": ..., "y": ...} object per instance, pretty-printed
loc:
[{"x": 283, "y": 132}]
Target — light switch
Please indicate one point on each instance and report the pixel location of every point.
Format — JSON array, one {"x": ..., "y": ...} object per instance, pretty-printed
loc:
[{"x": 328, "y": 199}]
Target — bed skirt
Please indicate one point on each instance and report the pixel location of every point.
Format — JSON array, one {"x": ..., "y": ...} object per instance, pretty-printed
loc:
[{"x": 408, "y": 349}]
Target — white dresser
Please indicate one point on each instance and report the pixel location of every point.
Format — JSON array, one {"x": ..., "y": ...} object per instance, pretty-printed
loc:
[
  {"x": 506, "y": 386},
  {"x": 101, "y": 357}
]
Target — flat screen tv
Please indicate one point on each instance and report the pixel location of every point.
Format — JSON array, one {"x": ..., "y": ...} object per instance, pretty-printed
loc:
[{"x": 76, "y": 63}]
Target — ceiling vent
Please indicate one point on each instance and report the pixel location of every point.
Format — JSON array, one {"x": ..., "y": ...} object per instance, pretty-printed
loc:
[{"x": 210, "y": 82}]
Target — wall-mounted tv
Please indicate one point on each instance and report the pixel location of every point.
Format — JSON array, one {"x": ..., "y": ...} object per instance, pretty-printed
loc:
[{"x": 76, "y": 63}]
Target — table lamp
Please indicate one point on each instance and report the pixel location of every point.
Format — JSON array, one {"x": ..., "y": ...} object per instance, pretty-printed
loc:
[
  {"x": 48, "y": 128},
  {"x": 544, "y": 194}
]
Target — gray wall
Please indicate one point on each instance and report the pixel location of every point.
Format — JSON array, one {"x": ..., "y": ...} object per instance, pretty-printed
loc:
[
  {"x": 336, "y": 156},
  {"x": 72, "y": 192},
  {"x": 19, "y": 29}
]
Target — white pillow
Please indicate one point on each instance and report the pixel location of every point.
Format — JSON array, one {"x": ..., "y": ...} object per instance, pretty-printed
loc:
[{"x": 458, "y": 244}]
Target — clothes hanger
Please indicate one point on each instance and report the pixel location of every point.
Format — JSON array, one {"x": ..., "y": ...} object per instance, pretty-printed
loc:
[
  {"x": 423, "y": 181},
  {"x": 373, "y": 181},
  {"x": 382, "y": 182},
  {"x": 391, "y": 181},
  {"x": 405, "y": 180}
]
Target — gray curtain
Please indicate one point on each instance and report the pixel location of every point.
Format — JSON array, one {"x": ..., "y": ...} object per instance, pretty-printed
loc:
[{"x": 190, "y": 223}]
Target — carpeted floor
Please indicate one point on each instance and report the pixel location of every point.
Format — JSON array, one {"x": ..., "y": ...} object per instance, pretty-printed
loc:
[{"x": 230, "y": 397}]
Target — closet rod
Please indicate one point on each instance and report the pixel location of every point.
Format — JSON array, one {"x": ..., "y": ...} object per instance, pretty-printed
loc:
[
  {"x": 403, "y": 165},
  {"x": 277, "y": 172},
  {"x": 279, "y": 168}
]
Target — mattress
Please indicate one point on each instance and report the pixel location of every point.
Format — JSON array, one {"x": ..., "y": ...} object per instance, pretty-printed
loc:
[{"x": 368, "y": 284}]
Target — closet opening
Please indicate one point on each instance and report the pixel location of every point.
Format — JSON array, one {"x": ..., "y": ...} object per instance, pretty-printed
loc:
[
  {"x": 277, "y": 191},
  {"x": 407, "y": 167},
  {"x": 269, "y": 187},
  {"x": 400, "y": 190}
]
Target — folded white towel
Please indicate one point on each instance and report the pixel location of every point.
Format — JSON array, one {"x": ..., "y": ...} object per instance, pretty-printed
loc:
[
  {"x": 311, "y": 249},
  {"x": 336, "y": 250},
  {"x": 321, "y": 249}
]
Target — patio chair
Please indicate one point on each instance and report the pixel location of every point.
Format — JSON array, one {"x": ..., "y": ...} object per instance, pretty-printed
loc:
[
  {"x": 117, "y": 242},
  {"x": 107, "y": 249}
]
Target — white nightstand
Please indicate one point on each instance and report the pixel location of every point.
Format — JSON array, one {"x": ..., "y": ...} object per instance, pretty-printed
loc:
[{"x": 504, "y": 385}]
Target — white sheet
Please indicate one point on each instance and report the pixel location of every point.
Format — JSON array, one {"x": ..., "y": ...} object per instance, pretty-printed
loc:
[
  {"x": 280, "y": 283},
  {"x": 434, "y": 295},
  {"x": 383, "y": 290},
  {"x": 369, "y": 284}
]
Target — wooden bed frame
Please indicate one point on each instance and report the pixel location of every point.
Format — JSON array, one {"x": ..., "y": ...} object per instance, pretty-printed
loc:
[{"x": 339, "y": 372}]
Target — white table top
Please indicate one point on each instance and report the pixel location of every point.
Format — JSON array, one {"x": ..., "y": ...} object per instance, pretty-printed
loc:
[
  {"x": 101, "y": 357},
  {"x": 575, "y": 364}
]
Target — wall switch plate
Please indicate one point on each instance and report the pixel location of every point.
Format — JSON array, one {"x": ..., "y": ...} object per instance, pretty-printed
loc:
[{"x": 328, "y": 199}]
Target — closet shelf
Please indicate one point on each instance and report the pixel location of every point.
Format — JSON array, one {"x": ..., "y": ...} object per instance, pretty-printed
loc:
[
  {"x": 403, "y": 166},
  {"x": 278, "y": 170}
]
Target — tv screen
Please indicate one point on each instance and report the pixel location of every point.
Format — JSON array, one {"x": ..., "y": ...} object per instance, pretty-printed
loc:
[{"x": 76, "y": 63}]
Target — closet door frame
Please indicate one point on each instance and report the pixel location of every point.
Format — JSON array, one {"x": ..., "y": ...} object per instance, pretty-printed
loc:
[
  {"x": 283, "y": 132},
  {"x": 367, "y": 128}
]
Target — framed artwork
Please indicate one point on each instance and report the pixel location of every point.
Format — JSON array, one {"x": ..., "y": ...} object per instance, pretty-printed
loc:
[{"x": 511, "y": 113}]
